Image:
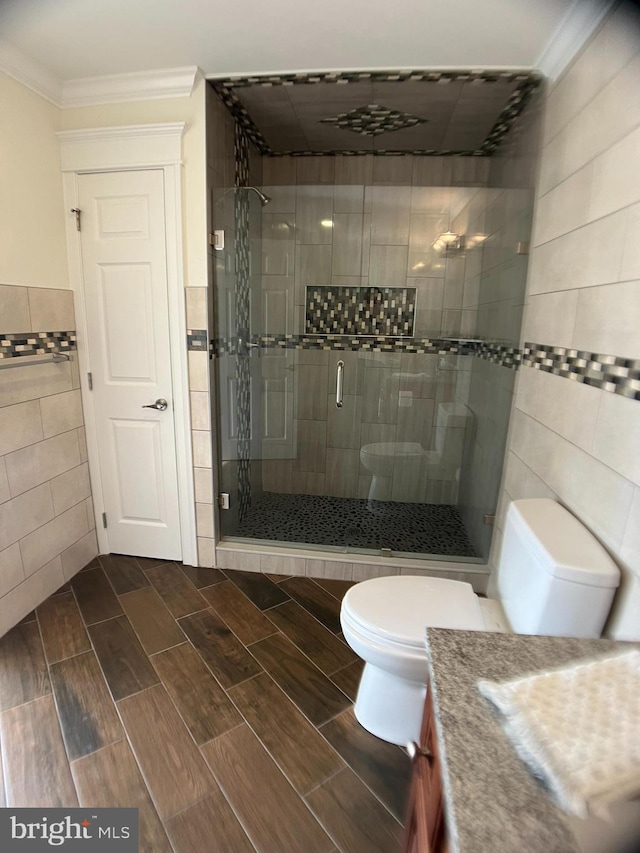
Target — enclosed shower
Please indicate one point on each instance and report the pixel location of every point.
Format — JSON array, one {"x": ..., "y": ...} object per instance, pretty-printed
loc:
[{"x": 367, "y": 303}]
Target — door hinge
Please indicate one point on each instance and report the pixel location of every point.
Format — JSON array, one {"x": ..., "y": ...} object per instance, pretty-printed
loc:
[
  {"x": 104, "y": 520},
  {"x": 216, "y": 239},
  {"x": 489, "y": 519},
  {"x": 78, "y": 214},
  {"x": 223, "y": 500},
  {"x": 90, "y": 381}
]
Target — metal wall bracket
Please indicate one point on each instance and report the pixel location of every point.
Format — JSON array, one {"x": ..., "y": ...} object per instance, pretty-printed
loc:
[
  {"x": 224, "y": 501},
  {"x": 216, "y": 239}
]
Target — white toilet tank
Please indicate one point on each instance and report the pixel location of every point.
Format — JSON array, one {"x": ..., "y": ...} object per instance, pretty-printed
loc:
[{"x": 554, "y": 577}]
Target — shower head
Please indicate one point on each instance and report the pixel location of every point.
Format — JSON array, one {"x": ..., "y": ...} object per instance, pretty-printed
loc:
[{"x": 264, "y": 199}]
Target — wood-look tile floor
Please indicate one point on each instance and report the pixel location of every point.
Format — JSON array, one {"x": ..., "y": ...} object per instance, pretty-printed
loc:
[{"x": 218, "y": 703}]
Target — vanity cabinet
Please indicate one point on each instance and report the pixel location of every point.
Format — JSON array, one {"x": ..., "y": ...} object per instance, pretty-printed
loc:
[{"x": 425, "y": 826}]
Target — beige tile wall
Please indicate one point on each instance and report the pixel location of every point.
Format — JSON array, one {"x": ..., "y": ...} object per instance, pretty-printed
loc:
[
  {"x": 47, "y": 527},
  {"x": 569, "y": 441}
]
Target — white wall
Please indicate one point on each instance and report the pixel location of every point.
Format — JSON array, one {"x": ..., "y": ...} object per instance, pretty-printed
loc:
[
  {"x": 32, "y": 241},
  {"x": 568, "y": 440}
]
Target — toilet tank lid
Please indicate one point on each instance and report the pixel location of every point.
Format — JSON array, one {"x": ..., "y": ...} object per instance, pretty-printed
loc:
[{"x": 562, "y": 544}]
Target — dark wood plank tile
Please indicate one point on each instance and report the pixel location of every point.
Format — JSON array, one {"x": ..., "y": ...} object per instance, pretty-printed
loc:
[
  {"x": 277, "y": 578},
  {"x": 202, "y": 578},
  {"x": 63, "y": 632},
  {"x": 124, "y": 663},
  {"x": 87, "y": 714},
  {"x": 317, "y": 601},
  {"x": 310, "y": 636},
  {"x": 209, "y": 826},
  {"x": 110, "y": 778},
  {"x": 152, "y": 622},
  {"x": 334, "y": 587},
  {"x": 30, "y": 617},
  {"x": 273, "y": 815},
  {"x": 96, "y": 600},
  {"x": 173, "y": 768},
  {"x": 36, "y": 769},
  {"x": 241, "y": 615},
  {"x": 302, "y": 681},
  {"x": 23, "y": 669},
  {"x": 124, "y": 572},
  {"x": 355, "y": 819},
  {"x": 92, "y": 564},
  {"x": 348, "y": 679},
  {"x": 262, "y": 591},
  {"x": 203, "y": 704},
  {"x": 178, "y": 593},
  {"x": 221, "y": 650},
  {"x": 151, "y": 562},
  {"x": 302, "y": 754},
  {"x": 381, "y": 765}
]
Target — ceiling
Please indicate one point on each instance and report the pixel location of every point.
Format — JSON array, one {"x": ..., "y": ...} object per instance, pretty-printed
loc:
[
  {"x": 423, "y": 112},
  {"x": 85, "y": 38}
]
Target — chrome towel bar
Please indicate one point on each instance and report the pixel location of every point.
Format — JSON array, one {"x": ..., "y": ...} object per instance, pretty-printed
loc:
[{"x": 22, "y": 361}]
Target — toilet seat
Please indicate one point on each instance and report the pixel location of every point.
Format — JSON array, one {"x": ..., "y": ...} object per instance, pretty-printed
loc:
[{"x": 397, "y": 610}]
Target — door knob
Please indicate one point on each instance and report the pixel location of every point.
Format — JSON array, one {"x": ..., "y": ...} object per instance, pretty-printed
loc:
[{"x": 160, "y": 404}]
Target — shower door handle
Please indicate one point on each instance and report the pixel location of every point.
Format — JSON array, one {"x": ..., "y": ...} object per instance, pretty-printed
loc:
[{"x": 339, "y": 383}]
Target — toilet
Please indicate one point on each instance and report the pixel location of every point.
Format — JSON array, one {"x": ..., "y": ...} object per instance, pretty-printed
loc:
[
  {"x": 381, "y": 458},
  {"x": 553, "y": 578}
]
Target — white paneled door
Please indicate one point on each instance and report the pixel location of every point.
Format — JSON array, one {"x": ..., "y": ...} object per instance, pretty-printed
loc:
[{"x": 125, "y": 286}]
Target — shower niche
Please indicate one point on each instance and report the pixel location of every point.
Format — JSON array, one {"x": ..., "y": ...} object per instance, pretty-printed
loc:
[{"x": 366, "y": 319}]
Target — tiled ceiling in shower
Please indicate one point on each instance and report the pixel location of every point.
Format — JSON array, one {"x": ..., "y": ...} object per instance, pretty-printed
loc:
[{"x": 422, "y": 112}]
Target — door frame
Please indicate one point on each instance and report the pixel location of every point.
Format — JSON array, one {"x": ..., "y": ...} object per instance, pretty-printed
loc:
[{"x": 121, "y": 149}]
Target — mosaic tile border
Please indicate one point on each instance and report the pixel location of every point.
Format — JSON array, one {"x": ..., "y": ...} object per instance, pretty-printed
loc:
[
  {"x": 374, "y": 119},
  {"x": 611, "y": 373},
  {"x": 377, "y": 311},
  {"x": 20, "y": 344},
  {"x": 528, "y": 83},
  {"x": 197, "y": 340},
  {"x": 501, "y": 354}
]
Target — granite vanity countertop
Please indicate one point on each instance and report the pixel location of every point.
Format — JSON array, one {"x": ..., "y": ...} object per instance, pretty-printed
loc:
[{"x": 492, "y": 803}]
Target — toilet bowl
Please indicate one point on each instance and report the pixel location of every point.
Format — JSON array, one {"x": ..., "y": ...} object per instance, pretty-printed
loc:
[
  {"x": 383, "y": 459},
  {"x": 554, "y": 578}
]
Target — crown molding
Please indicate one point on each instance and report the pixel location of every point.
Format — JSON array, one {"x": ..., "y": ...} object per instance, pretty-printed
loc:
[
  {"x": 571, "y": 34},
  {"x": 89, "y": 91},
  {"x": 136, "y": 86},
  {"x": 30, "y": 73}
]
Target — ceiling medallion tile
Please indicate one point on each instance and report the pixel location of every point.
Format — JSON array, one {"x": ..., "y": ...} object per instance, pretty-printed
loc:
[{"x": 373, "y": 119}]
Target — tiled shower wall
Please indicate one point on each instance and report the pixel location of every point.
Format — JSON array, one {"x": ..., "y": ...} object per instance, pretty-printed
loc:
[
  {"x": 363, "y": 222},
  {"x": 569, "y": 440},
  {"x": 47, "y": 527}
]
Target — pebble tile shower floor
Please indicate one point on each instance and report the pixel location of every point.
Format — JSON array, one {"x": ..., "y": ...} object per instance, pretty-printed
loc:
[
  {"x": 350, "y": 522},
  {"x": 217, "y": 703}
]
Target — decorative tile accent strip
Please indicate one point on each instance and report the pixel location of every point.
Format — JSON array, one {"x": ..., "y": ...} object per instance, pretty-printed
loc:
[
  {"x": 528, "y": 82},
  {"x": 502, "y": 354},
  {"x": 243, "y": 377},
  {"x": 373, "y": 119},
  {"x": 17, "y": 345},
  {"x": 197, "y": 340},
  {"x": 360, "y": 310},
  {"x": 505, "y": 355},
  {"x": 608, "y": 372}
]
